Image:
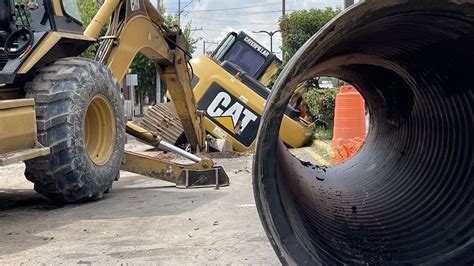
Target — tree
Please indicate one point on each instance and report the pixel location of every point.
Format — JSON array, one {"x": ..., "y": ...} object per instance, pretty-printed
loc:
[
  {"x": 172, "y": 20},
  {"x": 87, "y": 9},
  {"x": 297, "y": 27}
]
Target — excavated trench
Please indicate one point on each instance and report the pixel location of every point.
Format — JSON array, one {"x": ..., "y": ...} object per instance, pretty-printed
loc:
[{"x": 407, "y": 196}]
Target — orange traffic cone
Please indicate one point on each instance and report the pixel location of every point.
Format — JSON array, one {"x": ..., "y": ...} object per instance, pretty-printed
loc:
[{"x": 349, "y": 116}]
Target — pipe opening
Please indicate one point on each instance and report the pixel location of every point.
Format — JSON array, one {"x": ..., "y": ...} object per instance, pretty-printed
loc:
[
  {"x": 407, "y": 196},
  {"x": 339, "y": 118}
]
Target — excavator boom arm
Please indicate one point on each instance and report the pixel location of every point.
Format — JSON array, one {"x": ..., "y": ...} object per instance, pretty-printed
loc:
[{"x": 142, "y": 30}]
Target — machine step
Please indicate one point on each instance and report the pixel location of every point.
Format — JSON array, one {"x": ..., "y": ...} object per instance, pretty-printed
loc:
[{"x": 22, "y": 155}]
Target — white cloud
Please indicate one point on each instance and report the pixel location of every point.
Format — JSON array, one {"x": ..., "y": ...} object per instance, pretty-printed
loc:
[{"x": 217, "y": 18}]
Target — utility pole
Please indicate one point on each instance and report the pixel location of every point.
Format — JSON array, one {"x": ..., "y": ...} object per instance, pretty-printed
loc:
[
  {"x": 270, "y": 33},
  {"x": 283, "y": 7},
  {"x": 179, "y": 13},
  {"x": 204, "y": 45}
]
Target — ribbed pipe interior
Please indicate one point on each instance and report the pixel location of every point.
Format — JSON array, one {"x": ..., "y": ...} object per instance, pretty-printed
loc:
[{"x": 407, "y": 196}]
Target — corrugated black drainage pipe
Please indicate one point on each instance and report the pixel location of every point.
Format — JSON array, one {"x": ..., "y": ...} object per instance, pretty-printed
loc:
[{"x": 407, "y": 196}]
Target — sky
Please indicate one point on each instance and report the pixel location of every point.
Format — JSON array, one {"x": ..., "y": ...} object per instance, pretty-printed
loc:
[{"x": 214, "y": 19}]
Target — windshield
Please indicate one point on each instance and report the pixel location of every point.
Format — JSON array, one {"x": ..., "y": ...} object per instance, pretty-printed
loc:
[{"x": 245, "y": 57}]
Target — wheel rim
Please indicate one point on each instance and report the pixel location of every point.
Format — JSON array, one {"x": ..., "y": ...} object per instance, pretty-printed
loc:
[{"x": 99, "y": 129}]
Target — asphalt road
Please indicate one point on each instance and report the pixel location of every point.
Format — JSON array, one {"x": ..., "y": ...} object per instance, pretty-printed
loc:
[{"x": 141, "y": 220}]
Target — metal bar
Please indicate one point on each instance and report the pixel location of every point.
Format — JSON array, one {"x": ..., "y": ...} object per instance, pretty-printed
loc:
[
  {"x": 23, "y": 155},
  {"x": 156, "y": 141},
  {"x": 170, "y": 147},
  {"x": 101, "y": 18},
  {"x": 193, "y": 175},
  {"x": 151, "y": 167}
]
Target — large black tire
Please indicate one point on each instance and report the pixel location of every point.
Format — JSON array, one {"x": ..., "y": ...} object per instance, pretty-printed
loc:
[{"x": 63, "y": 91}]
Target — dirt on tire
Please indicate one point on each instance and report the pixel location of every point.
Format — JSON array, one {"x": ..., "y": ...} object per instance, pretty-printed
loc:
[{"x": 63, "y": 91}]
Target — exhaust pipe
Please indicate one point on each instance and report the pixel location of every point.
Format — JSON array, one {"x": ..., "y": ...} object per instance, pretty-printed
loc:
[{"x": 407, "y": 197}]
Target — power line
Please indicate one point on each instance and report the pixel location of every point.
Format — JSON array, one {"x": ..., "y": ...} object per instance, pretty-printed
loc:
[
  {"x": 204, "y": 31},
  {"x": 237, "y": 23},
  {"x": 225, "y": 10},
  {"x": 245, "y": 14},
  {"x": 238, "y": 13},
  {"x": 236, "y": 8},
  {"x": 204, "y": 45},
  {"x": 180, "y": 10},
  {"x": 223, "y": 29},
  {"x": 214, "y": 17},
  {"x": 223, "y": 21},
  {"x": 214, "y": 30}
]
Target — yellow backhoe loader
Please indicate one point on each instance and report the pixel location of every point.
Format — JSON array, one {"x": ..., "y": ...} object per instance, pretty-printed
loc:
[
  {"x": 231, "y": 87},
  {"x": 405, "y": 198},
  {"x": 63, "y": 115}
]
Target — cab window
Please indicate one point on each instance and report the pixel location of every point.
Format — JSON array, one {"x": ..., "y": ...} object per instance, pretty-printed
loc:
[
  {"x": 245, "y": 57},
  {"x": 222, "y": 49},
  {"x": 71, "y": 9}
]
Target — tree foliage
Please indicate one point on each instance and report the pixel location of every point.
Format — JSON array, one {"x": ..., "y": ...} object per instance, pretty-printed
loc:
[
  {"x": 172, "y": 21},
  {"x": 141, "y": 65},
  {"x": 146, "y": 71},
  {"x": 87, "y": 9},
  {"x": 297, "y": 27},
  {"x": 145, "y": 67},
  {"x": 321, "y": 104}
]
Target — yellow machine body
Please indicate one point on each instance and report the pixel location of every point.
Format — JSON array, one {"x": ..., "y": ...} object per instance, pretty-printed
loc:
[
  {"x": 227, "y": 102},
  {"x": 134, "y": 26},
  {"x": 142, "y": 30},
  {"x": 17, "y": 125}
]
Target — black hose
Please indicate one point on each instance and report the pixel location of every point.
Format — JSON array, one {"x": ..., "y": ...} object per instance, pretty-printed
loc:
[
  {"x": 407, "y": 197},
  {"x": 18, "y": 42}
]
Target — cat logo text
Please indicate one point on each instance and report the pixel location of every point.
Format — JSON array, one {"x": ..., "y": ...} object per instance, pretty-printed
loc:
[{"x": 234, "y": 116}]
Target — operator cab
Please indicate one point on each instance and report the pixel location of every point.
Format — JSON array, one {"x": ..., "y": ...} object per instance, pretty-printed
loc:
[
  {"x": 231, "y": 87},
  {"x": 240, "y": 52},
  {"x": 24, "y": 25}
]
